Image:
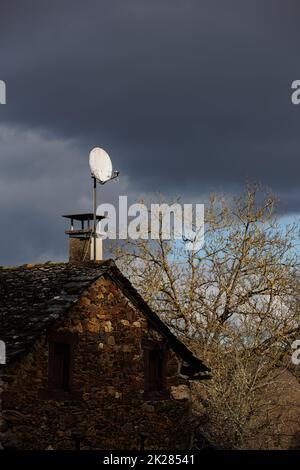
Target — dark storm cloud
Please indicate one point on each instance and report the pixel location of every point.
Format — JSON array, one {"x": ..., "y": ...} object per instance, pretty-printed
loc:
[{"x": 187, "y": 95}]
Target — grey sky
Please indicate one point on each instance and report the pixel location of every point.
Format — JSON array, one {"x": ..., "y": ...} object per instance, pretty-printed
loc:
[{"x": 187, "y": 97}]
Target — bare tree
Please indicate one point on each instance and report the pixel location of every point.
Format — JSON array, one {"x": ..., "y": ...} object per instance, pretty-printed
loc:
[{"x": 234, "y": 302}]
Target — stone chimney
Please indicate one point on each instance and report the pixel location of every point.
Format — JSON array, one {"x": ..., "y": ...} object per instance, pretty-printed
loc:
[{"x": 81, "y": 239}]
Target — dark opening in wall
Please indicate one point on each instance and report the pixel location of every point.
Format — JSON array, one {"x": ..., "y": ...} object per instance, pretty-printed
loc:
[
  {"x": 61, "y": 357},
  {"x": 155, "y": 359}
]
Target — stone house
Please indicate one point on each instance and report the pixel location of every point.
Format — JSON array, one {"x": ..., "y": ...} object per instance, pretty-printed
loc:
[{"x": 89, "y": 364}]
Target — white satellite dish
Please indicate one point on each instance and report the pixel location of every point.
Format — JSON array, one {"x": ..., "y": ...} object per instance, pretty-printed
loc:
[
  {"x": 100, "y": 165},
  {"x": 101, "y": 168}
]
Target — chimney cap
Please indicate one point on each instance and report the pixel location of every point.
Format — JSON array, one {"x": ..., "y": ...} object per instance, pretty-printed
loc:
[{"x": 81, "y": 217}]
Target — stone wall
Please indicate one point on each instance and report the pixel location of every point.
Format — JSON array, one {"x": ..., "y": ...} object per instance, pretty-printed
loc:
[
  {"x": 109, "y": 374},
  {"x": 79, "y": 249}
]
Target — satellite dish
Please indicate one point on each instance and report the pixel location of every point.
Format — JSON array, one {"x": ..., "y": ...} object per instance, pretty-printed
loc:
[{"x": 100, "y": 165}]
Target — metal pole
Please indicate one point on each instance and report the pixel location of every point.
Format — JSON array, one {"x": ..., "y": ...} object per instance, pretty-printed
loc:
[{"x": 95, "y": 208}]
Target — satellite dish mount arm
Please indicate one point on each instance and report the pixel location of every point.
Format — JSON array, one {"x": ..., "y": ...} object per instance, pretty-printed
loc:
[{"x": 113, "y": 177}]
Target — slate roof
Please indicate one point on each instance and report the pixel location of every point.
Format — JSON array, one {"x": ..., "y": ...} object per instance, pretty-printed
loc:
[{"x": 33, "y": 296}]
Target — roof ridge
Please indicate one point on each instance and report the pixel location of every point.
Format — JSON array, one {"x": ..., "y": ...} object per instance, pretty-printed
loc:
[{"x": 109, "y": 262}]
